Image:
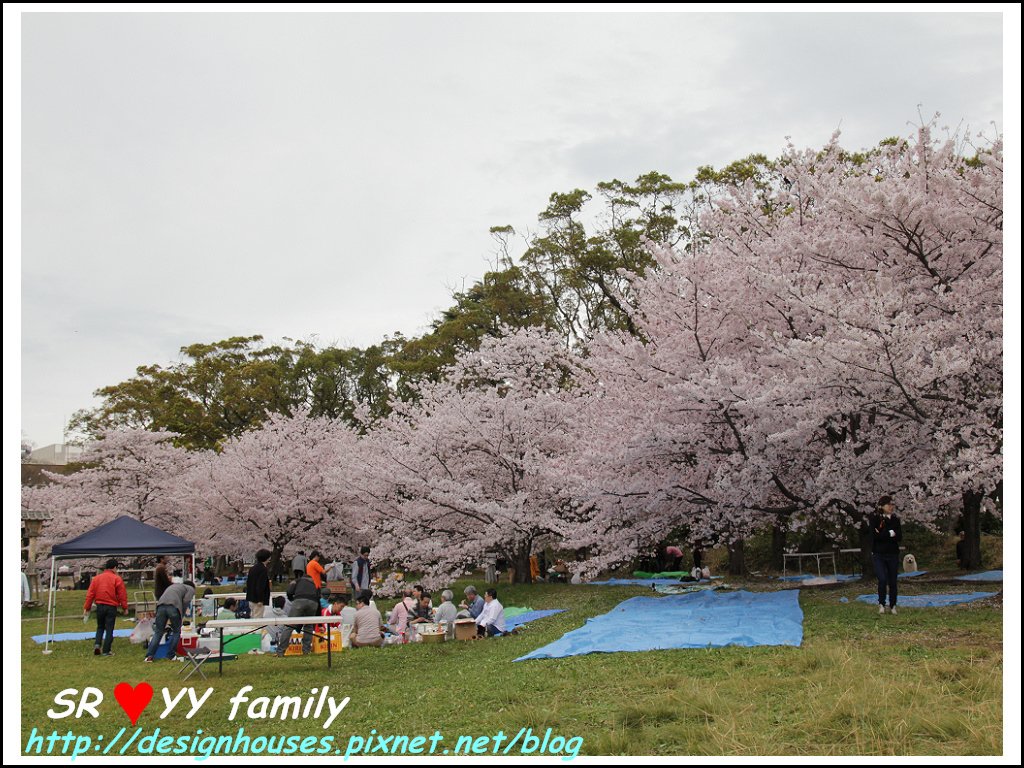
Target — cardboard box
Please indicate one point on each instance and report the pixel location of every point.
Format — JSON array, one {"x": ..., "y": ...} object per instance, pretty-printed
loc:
[
  {"x": 465, "y": 629},
  {"x": 319, "y": 644}
]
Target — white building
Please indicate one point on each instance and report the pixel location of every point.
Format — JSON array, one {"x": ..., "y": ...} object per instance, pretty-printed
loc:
[{"x": 58, "y": 453}]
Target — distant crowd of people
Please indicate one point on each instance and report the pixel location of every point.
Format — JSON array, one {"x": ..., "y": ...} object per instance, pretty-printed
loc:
[{"x": 308, "y": 594}]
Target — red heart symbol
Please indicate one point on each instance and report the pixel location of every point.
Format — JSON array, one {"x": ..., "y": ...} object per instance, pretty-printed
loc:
[{"x": 133, "y": 700}]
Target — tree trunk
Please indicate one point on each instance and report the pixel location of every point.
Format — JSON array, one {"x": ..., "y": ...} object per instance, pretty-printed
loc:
[
  {"x": 970, "y": 519},
  {"x": 276, "y": 565},
  {"x": 521, "y": 563},
  {"x": 778, "y": 546},
  {"x": 867, "y": 566},
  {"x": 737, "y": 562}
]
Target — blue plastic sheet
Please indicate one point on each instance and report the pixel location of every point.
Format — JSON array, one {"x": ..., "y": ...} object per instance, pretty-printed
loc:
[
  {"x": 78, "y": 636},
  {"x": 910, "y": 574},
  {"x": 523, "y": 618},
  {"x": 931, "y": 601},
  {"x": 829, "y": 576},
  {"x": 697, "y": 620},
  {"x": 984, "y": 576},
  {"x": 633, "y": 582}
]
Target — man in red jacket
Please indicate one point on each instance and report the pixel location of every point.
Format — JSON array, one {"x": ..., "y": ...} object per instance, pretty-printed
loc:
[{"x": 107, "y": 590}]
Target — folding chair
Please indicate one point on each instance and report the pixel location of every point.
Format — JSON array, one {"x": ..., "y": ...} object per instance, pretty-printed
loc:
[{"x": 194, "y": 660}]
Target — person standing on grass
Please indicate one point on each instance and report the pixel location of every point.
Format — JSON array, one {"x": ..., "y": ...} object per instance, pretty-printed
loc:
[
  {"x": 161, "y": 579},
  {"x": 315, "y": 570},
  {"x": 961, "y": 551},
  {"x": 108, "y": 592},
  {"x": 257, "y": 585},
  {"x": 885, "y": 551},
  {"x": 299, "y": 563},
  {"x": 361, "y": 571},
  {"x": 305, "y": 601},
  {"x": 170, "y": 608}
]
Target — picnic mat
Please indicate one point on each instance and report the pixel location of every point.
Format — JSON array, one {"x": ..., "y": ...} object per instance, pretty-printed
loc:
[
  {"x": 698, "y": 620},
  {"x": 78, "y": 636},
  {"x": 515, "y": 610},
  {"x": 683, "y": 589},
  {"x": 983, "y": 576},
  {"x": 647, "y": 582},
  {"x": 632, "y": 582},
  {"x": 659, "y": 574},
  {"x": 910, "y": 574},
  {"x": 825, "y": 578},
  {"x": 511, "y": 622},
  {"x": 931, "y": 601}
]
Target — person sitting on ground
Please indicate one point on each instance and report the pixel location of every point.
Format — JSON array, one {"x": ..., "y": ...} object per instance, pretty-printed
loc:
[
  {"x": 368, "y": 627},
  {"x": 347, "y": 612},
  {"x": 491, "y": 620},
  {"x": 334, "y": 609},
  {"x": 417, "y": 593},
  {"x": 422, "y": 613},
  {"x": 445, "y": 613},
  {"x": 227, "y": 610},
  {"x": 560, "y": 572},
  {"x": 398, "y": 621},
  {"x": 472, "y": 606},
  {"x": 208, "y": 605},
  {"x": 170, "y": 608}
]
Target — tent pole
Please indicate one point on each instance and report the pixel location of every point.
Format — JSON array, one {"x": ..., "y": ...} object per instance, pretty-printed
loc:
[
  {"x": 49, "y": 606},
  {"x": 195, "y": 622}
]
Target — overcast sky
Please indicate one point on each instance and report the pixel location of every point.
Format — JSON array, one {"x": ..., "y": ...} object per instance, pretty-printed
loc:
[{"x": 189, "y": 177}]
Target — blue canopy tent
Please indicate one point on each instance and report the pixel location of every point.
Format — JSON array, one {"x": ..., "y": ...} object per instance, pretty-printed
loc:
[{"x": 122, "y": 536}]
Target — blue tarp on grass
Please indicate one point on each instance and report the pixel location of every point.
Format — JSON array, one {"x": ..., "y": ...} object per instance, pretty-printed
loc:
[
  {"x": 931, "y": 601},
  {"x": 698, "y": 620},
  {"x": 79, "y": 636},
  {"x": 984, "y": 576},
  {"x": 910, "y": 574},
  {"x": 829, "y": 576},
  {"x": 523, "y": 618},
  {"x": 633, "y": 582}
]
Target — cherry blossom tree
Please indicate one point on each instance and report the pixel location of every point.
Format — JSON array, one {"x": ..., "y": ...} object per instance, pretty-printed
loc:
[
  {"x": 481, "y": 461},
  {"x": 131, "y": 472},
  {"x": 834, "y": 340},
  {"x": 277, "y": 486}
]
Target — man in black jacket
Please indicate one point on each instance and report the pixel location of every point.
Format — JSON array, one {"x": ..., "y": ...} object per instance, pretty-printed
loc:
[
  {"x": 885, "y": 551},
  {"x": 257, "y": 585},
  {"x": 305, "y": 599}
]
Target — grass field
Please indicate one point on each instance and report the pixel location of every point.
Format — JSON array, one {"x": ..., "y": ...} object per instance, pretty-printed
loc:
[{"x": 926, "y": 682}]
